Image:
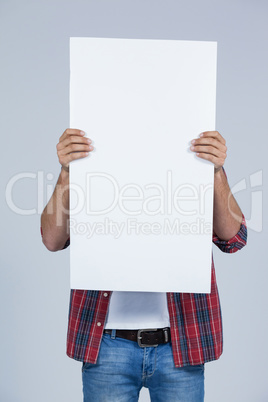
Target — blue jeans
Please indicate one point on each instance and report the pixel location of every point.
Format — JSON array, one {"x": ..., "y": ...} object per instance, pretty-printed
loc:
[{"x": 123, "y": 368}]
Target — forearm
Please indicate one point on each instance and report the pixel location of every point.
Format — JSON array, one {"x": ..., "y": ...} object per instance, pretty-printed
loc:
[
  {"x": 227, "y": 215},
  {"x": 55, "y": 217}
]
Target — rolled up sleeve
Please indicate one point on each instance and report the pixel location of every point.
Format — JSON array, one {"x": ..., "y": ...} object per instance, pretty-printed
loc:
[{"x": 235, "y": 243}]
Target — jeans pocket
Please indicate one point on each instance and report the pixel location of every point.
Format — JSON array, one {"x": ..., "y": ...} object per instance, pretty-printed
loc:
[
  {"x": 85, "y": 366},
  {"x": 196, "y": 367}
]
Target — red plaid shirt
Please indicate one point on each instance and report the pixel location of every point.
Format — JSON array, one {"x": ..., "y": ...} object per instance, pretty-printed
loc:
[{"x": 195, "y": 318}]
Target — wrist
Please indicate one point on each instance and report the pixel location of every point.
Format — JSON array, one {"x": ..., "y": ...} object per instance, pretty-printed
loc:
[
  {"x": 66, "y": 169},
  {"x": 218, "y": 170},
  {"x": 64, "y": 175},
  {"x": 219, "y": 177}
]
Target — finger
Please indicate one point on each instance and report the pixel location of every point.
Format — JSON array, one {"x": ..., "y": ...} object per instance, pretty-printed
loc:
[
  {"x": 70, "y": 131},
  {"x": 75, "y": 148},
  {"x": 210, "y": 141},
  {"x": 213, "y": 134},
  {"x": 71, "y": 157},
  {"x": 73, "y": 139},
  {"x": 208, "y": 149}
]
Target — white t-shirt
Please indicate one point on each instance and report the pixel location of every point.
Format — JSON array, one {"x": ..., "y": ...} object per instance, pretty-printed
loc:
[{"x": 137, "y": 310}]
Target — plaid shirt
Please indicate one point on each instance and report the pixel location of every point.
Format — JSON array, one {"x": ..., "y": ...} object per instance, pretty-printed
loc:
[{"x": 195, "y": 318}]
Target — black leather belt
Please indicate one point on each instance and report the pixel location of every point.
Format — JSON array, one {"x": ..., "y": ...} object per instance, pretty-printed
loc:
[{"x": 144, "y": 337}]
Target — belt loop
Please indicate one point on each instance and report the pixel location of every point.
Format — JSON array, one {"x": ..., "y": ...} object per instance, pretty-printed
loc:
[
  {"x": 113, "y": 333},
  {"x": 166, "y": 334}
]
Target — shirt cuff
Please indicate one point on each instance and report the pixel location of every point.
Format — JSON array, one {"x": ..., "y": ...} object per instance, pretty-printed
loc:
[{"x": 236, "y": 242}]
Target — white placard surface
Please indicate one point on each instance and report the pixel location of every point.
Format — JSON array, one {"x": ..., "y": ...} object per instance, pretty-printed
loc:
[{"x": 141, "y": 203}]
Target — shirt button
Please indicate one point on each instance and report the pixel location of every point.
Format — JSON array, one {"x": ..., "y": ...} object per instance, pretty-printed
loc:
[
  {"x": 105, "y": 294},
  {"x": 98, "y": 324}
]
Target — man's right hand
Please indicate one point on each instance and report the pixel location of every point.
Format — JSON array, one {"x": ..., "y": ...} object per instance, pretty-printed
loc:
[{"x": 73, "y": 145}]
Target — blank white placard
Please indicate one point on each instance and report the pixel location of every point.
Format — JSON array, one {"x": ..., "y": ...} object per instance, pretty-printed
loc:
[{"x": 141, "y": 203}]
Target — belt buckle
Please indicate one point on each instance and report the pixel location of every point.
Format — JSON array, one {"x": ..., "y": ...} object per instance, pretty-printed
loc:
[{"x": 139, "y": 337}]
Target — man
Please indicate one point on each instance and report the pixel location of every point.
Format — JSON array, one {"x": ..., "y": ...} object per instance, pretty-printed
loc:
[{"x": 106, "y": 329}]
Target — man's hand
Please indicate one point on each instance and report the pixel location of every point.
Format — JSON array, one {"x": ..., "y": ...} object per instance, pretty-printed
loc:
[
  {"x": 55, "y": 218},
  {"x": 73, "y": 145},
  {"x": 227, "y": 215},
  {"x": 210, "y": 146}
]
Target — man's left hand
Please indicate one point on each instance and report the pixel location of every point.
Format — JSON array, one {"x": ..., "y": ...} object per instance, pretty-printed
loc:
[{"x": 210, "y": 146}]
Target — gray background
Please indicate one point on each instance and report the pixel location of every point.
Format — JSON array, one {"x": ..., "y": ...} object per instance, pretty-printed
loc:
[{"x": 34, "y": 79}]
